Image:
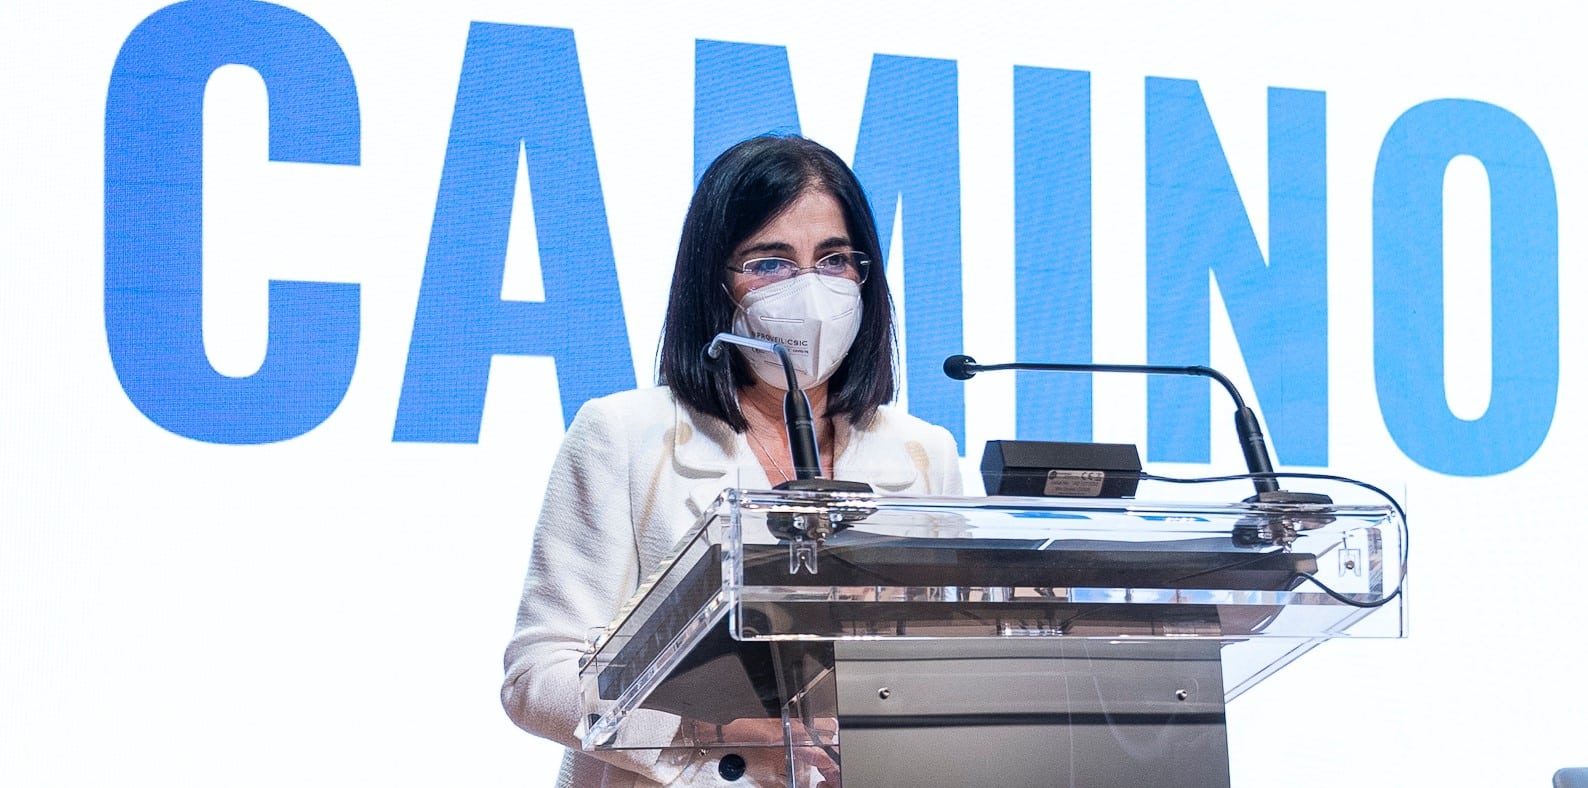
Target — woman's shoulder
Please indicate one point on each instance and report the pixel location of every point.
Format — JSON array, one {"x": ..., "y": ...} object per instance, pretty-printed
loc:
[
  {"x": 634, "y": 406},
  {"x": 653, "y": 396},
  {"x": 893, "y": 426},
  {"x": 891, "y": 420},
  {"x": 648, "y": 412},
  {"x": 610, "y": 428},
  {"x": 894, "y": 442}
]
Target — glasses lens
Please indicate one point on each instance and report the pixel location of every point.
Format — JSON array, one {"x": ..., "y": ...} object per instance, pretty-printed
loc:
[
  {"x": 769, "y": 269},
  {"x": 849, "y": 265}
]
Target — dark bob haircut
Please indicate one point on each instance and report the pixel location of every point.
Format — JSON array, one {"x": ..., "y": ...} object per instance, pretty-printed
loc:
[{"x": 748, "y": 186}]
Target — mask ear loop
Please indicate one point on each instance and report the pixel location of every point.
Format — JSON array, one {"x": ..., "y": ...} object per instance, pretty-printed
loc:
[
  {"x": 733, "y": 320},
  {"x": 738, "y": 308}
]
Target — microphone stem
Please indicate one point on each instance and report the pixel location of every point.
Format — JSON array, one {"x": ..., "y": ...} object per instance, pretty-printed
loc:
[
  {"x": 1254, "y": 448},
  {"x": 802, "y": 447},
  {"x": 797, "y": 419}
]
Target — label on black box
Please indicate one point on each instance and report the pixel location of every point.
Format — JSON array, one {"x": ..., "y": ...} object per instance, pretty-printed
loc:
[{"x": 1074, "y": 484}]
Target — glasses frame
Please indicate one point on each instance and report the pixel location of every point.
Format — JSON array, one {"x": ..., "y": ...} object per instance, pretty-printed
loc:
[{"x": 860, "y": 259}]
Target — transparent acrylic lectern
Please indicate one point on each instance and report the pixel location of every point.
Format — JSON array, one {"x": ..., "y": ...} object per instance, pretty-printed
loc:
[{"x": 982, "y": 641}]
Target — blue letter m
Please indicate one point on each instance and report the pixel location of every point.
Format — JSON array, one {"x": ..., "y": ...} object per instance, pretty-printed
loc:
[{"x": 907, "y": 158}]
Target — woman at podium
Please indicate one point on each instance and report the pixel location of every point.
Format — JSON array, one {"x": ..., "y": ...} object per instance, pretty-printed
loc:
[{"x": 779, "y": 242}]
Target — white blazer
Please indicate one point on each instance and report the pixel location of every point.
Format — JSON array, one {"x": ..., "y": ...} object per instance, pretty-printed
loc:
[{"x": 635, "y": 471}]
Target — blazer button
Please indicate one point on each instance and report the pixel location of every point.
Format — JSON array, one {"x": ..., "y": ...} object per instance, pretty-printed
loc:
[{"x": 731, "y": 767}]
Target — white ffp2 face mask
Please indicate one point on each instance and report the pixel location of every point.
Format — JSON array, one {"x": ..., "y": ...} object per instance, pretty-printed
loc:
[{"x": 816, "y": 317}]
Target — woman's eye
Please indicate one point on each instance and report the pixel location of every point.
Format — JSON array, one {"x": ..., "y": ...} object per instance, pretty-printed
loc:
[{"x": 767, "y": 266}]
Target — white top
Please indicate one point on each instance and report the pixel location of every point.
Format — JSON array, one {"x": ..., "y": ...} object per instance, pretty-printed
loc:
[{"x": 635, "y": 471}]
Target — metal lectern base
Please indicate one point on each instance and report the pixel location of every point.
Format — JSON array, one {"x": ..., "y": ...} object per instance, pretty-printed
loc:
[{"x": 1042, "y": 712}]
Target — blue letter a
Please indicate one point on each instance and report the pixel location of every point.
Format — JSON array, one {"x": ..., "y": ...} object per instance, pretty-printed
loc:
[{"x": 520, "y": 91}]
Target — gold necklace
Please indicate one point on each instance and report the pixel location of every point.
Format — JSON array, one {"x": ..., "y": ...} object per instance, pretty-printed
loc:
[{"x": 768, "y": 454}]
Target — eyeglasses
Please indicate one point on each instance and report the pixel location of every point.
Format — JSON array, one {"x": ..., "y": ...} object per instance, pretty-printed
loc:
[{"x": 768, "y": 270}]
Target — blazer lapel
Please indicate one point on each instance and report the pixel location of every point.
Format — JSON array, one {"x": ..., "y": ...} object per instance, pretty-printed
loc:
[
  {"x": 879, "y": 463},
  {"x": 707, "y": 457}
]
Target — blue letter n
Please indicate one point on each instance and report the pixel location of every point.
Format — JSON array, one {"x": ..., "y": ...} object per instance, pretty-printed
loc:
[{"x": 1196, "y": 223}]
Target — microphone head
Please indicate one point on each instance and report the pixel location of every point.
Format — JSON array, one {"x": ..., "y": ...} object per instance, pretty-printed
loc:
[
  {"x": 959, "y": 367},
  {"x": 714, "y": 355}
]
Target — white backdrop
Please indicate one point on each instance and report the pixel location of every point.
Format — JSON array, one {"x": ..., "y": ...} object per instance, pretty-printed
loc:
[{"x": 331, "y": 608}]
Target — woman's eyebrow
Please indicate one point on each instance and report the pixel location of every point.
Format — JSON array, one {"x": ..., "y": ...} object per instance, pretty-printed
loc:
[
  {"x": 765, "y": 247},
  {"x": 787, "y": 249}
]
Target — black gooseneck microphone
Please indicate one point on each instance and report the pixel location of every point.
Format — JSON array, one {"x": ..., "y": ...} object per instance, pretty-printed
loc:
[
  {"x": 1253, "y": 446},
  {"x": 796, "y": 406},
  {"x": 807, "y": 459}
]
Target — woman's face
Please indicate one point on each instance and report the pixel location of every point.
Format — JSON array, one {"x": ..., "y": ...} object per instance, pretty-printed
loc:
[{"x": 811, "y": 228}]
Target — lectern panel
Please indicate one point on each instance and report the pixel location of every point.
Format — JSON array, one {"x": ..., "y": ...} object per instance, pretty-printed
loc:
[{"x": 741, "y": 620}]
